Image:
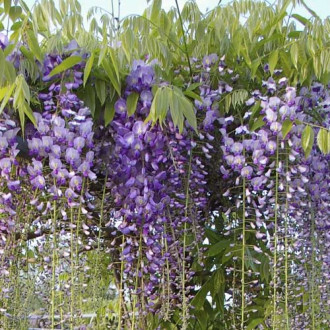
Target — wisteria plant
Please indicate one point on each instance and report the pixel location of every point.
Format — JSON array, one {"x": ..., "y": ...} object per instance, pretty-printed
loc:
[{"x": 150, "y": 181}]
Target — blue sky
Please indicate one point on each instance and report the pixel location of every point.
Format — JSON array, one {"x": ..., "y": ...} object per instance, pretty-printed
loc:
[{"x": 321, "y": 7}]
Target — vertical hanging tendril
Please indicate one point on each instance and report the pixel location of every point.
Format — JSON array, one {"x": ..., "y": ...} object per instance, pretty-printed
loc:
[
  {"x": 184, "y": 298},
  {"x": 286, "y": 243},
  {"x": 275, "y": 234}
]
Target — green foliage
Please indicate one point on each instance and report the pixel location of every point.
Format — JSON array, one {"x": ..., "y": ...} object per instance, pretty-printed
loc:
[
  {"x": 323, "y": 140},
  {"x": 286, "y": 127},
  {"x": 172, "y": 98},
  {"x": 65, "y": 65},
  {"x": 307, "y": 140}
]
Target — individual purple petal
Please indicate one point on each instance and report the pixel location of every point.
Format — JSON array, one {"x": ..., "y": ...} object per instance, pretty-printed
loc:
[
  {"x": 5, "y": 165},
  {"x": 139, "y": 128},
  {"x": 85, "y": 128},
  {"x": 246, "y": 172},
  {"x": 55, "y": 164},
  {"x": 72, "y": 156},
  {"x": 14, "y": 185},
  {"x": 271, "y": 115},
  {"x": 271, "y": 147},
  {"x": 38, "y": 182},
  {"x": 3, "y": 143},
  {"x": 76, "y": 183},
  {"x": 276, "y": 127},
  {"x": 120, "y": 106},
  {"x": 79, "y": 143},
  {"x": 70, "y": 195}
]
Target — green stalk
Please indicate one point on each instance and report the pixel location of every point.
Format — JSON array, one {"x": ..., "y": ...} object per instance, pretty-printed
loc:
[
  {"x": 275, "y": 236},
  {"x": 77, "y": 234},
  {"x": 72, "y": 268},
  {"x": 286, "y": 305},
  {"x": 243, "y": 259},
  {"x": 137, "y": 279},
  {"x": 53, "y": 267},
  {"x": 121, "y": 285},
  {"x": 313, "y": 266},
  {"x": 96, "y": 265},
  {"x": 184, "y": 38},
  {"x": 184, "y": 301},
  {"x": 167, "y": 307}
]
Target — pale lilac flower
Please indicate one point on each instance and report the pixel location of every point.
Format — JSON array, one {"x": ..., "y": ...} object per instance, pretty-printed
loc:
[
  {"x": 76, "y": 183},
  {"x": 246, "y": 172},
  {"x": 38, "y": 182}
]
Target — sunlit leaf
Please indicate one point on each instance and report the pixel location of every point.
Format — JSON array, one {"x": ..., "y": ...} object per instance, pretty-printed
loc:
[
  {"x": 307, "y": 140},
  {"x": 66, "y": 64}
]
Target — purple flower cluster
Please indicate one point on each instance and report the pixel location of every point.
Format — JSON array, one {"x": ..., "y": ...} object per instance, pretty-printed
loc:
[
  {"x": 299, "y": 198},
  {"x": 52, "y": 178},
  {"x": 148, "y": 171}
]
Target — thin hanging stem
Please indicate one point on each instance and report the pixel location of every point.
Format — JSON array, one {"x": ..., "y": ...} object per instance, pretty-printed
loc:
[
  {"x": 121, "y": 285},
  {"x": 53, "y": 267},
  {"x": 184, "y": 301},
  {"x": 275, "y": 236},
  {"x": 243, "y": 259},
  {"x": 72, "y": 268},
  {"x": 286, "y": 305},
  {"x": 184, "y": 38},
  {"x": 313, "y": 265},
  {"x": 137, "y": 279}
]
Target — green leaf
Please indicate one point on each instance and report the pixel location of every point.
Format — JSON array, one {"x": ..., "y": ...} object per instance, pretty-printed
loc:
[
  {"x": 257, "y": 124},
  {"x": 188, "y": 112},
  {"x": 10, "y": 72},
  {"x": 307, "y": 140},
  {"x": 301, "y": 19},
  {"x": 107, "y": 66},
  {"x": 26, "y": 90},
  {"x": 89, "y": 98},
  {"x": 198, "y": 300},
  {"x": 192, "y": 95},
  {"x": 15, "y": 12},
  {"x": 131, "y": 103},
  {"x": 254, "y": 67},
  {"x": 9, "y": 92},
  {"x": 286, "y": 127},
  {"x": 218, "y": 280},
  {"x": 88, "y": 67},
  {"x": 176, "y": 114},
  {"x": 238, "y": 97},
  {"x": 114, "y": 62},
  {"x": 323, "y": 140},
  {"x": 155, "y": 10},
  {"x": 2, "y": 67},
  {"x": 193, "y": 86},
  {"x": 66, "y": 64},
  {"x": 294, "y": 34},
  {"x": 227, "y": 100},
  {"x": 100, "y": 88},
  {"x": 109, "y": 112},
  {"x": 7, "y": 5},
  {"x": 254, "y": 323},
  {"x": 34, "y": 45},
  {"x": 28, "y": 54},
  {"x": 273, "y": 61},
  {"x": 217, "y": 248},
  {"x": 162, "y": 104},
  {"x": 29, "y": 113},
  {"x": 294, "y": 52},
  {"x": 103, "y": 52}
]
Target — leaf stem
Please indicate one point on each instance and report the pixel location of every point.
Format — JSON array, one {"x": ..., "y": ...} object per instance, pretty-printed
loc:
[{"x": 184, "y": 38}]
